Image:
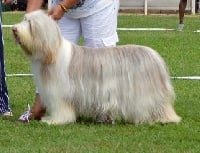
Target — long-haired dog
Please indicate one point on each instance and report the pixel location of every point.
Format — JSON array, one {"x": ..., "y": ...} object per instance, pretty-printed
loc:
[{"x": 129, "y": 82}]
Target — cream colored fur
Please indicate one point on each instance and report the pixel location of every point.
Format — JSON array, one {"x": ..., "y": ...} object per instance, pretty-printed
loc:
[{"x": 131, "y": 81}]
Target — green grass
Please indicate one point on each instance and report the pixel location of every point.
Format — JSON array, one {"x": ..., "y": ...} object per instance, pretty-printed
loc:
[{"x": 181, "y": 52}]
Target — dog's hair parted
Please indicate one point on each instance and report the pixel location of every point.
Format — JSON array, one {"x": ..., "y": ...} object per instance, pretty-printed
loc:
[{"x": 130, "y": 81}]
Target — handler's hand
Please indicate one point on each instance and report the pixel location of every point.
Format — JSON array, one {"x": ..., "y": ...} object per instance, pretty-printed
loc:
[
  {"x": 6, "y": 1},
  {"x": 56, "y": 13}
]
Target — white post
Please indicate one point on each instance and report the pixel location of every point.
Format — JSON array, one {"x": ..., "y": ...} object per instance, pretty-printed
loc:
[
  {"x": 193, "y": 6},
  {"x": 145, "y": 7}
]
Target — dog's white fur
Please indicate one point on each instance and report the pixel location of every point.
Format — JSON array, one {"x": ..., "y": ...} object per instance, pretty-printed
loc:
[{"x": 131, "y": 82}]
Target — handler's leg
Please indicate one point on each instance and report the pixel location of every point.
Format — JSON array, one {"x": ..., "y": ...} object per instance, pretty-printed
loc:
[
  {"x": 100, "y": 29},
  {"x": 5, "y": 109},
  {"x": 182, "y": 7},
  {"x": 70, "y": 28}
]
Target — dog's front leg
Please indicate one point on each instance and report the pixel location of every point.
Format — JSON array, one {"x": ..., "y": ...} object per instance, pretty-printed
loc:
[{"x": 60, "y": 112}]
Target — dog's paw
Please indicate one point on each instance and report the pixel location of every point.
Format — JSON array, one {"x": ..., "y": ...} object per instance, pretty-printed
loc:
[
  {"x": 56, "y": 121},
  {"x": 105, "y": 118},
  {"x": 48, "y": 120}
]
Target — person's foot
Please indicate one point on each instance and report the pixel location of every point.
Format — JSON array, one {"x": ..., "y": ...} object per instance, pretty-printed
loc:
[
  {"x": 26, "y": 116},
  {"x": 180, "y": 27},
  {"x": 36, "y": 112},
  {"x": 8, "y": 114}
]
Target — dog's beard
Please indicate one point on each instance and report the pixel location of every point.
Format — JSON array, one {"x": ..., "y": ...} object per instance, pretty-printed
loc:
[{"x": 23, "y": 37}]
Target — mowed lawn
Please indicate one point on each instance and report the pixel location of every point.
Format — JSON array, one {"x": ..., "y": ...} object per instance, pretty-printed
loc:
[{"x": 180, "y": 50}]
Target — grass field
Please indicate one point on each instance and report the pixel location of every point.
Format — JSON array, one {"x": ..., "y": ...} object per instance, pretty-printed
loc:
[{"x": 181, "y": 51}]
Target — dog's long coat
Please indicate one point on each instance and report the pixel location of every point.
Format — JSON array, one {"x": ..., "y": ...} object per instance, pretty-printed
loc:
[{"x": 129, "y": 81}]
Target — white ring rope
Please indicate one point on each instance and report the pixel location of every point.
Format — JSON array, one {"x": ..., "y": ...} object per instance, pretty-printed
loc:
[
  {"x": 124, "y": 29},
  {"x": 18, "y": 75},
  {"x": 145, "y": 29},
  {"x": 187, "y": 78},
  {"x": 177, "y": 77}
]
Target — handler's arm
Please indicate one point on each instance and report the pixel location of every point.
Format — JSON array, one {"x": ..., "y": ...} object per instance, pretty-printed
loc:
[
  {"x": 6, "y": 1},
  {"x": 33, "y": 5},
  {"x": 58, "y": 11},
  {"x": 69, "y": 3}
]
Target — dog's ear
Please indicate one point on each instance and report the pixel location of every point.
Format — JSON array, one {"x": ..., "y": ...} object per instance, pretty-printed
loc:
[{"x": 49, "y": 58}]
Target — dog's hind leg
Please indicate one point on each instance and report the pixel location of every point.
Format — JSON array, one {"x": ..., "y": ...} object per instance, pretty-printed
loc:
[
  {"x": 169, "y": 115},
  {"x": 105, "y": 118}
]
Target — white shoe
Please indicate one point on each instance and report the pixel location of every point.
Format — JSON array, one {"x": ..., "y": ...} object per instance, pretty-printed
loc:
[
  {"x": 8, "y": 114},
  {"x": 180, "y": 27},
  {"x": 25, "y": 117}
]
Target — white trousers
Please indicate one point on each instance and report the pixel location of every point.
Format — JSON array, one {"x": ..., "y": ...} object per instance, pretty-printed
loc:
[{"x": 97, "y": 30}]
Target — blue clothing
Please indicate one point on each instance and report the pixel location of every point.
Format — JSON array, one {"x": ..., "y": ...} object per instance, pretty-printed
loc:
[{"x": 4, "y": 99}]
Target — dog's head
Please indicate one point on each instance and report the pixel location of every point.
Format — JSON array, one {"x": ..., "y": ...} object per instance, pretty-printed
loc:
[{"x": 39, "y": 36}]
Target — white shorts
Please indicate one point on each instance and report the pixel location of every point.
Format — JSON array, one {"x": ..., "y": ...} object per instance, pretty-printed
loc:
[{"x": 98, "y": 30}]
